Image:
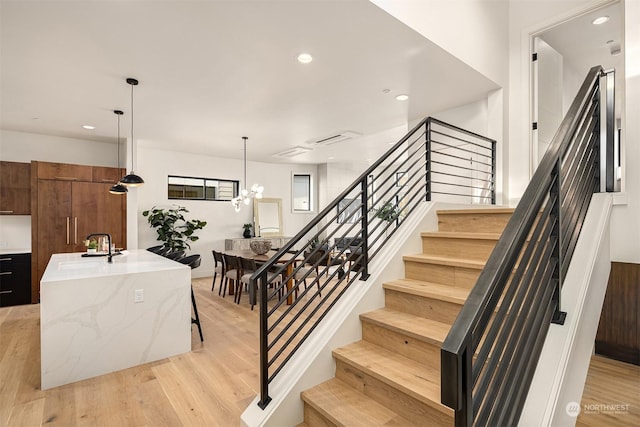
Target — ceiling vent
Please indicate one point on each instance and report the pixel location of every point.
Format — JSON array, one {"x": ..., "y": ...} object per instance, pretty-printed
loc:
[
  {"x": 332, "y": 139},
  {"x": 292, "y": 152}
]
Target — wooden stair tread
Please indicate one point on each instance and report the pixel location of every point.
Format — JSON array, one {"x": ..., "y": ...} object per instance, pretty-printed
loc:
[
  {"x": 461, "y": 235},
  {"x": 475, "y": 211},
  {"x": 420, "y": 288},
  {"x": 419, "y": 328},
  {"x": 417, "y": 380},
  {"x": 448, "y": 261},
  {"x": 344, "y": 405}
]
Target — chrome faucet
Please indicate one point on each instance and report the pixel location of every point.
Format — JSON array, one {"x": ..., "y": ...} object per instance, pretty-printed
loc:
[{"x": 108, "y": 236}]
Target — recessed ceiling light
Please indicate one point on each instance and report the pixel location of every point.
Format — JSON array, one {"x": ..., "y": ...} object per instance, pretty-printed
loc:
[
  {"x": 305, "y": 58},
  {"x": 88, "y": 127},
  {"x": 330, "y": 157},
  {"x": 600, "y": 20},
  {"x": 402, "y": 97}
]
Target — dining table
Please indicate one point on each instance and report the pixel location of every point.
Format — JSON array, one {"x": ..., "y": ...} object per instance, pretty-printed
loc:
[{"x": 285, "y": 258}]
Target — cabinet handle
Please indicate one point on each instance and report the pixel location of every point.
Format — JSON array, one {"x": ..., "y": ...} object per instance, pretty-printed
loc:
[
  {"x": 6, "y": 292},
  {"x": 68, "y": 230},
  {"x": 6, "y": 259},
  {"x": 6, "y": 212},
  {"x": 67, "y": 178},
  {"x": 75, "y": 229},
  {"x": 108, "y": 180},
  {"x": 6, "y": 273}
]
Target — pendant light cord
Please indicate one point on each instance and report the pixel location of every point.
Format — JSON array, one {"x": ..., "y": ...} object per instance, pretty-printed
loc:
[
  {"x": 118, "y": 161},
  {"x": 245, "y": 161},
  {"x": 132, "y": 139}
]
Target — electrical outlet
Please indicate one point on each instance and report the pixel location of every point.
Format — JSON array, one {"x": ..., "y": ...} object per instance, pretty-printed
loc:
[{"x": 138, "y": 295}]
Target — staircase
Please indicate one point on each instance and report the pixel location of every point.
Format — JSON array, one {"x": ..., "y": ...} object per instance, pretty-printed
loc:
[{"x": 392, "y": 376}]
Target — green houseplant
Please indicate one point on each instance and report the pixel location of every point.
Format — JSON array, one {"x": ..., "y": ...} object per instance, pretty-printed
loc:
[
  {"x": 174, "y": 230},
  {"x": 388, "y": 212}
]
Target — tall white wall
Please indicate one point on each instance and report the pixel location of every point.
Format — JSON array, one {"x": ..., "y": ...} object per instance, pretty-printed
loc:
[
  {"x": 222, "y": 221},
  {"x": 477, "y": 33},
  {"x": 625, "y": 219}
]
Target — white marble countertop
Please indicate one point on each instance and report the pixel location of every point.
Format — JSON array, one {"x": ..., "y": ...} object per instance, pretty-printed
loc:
[
  {"x": 7, "y": 251},
  {"x": 73, "y": 266}
]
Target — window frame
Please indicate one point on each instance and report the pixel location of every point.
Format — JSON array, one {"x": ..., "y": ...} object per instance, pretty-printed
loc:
[{"x": 235, "y": 188}]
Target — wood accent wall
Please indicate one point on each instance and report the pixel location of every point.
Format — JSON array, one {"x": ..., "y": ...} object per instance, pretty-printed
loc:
[{"x": 618, "y": 334}]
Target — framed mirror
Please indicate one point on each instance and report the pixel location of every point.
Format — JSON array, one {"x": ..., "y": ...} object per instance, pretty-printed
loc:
[{"x": 268, "y": 217}]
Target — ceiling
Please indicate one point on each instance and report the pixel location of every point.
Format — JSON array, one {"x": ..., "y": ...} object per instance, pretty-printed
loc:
[
  {"x": 584, "y": 45},
  {"x": 211, "y": 72}
]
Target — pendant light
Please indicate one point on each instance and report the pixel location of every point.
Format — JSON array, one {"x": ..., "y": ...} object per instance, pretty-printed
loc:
[
  {"x": 118, "y": 188},
  {"x": 132, "y": 180},
  {"x": 245, "y": 195}
]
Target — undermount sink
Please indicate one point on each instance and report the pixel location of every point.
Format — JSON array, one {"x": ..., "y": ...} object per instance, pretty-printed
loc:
[{"x": 77, "y": 265}]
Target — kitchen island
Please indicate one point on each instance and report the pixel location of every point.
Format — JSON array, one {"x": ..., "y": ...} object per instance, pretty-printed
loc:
[{"x": 99, "y": 317}]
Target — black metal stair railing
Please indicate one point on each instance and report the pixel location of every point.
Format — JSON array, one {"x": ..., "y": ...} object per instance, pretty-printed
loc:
[
  {"x": 336, "y": 248},
  {"x": 490, "y": 354}
]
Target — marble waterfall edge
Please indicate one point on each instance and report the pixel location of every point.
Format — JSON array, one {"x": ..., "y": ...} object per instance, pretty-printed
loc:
[{"x": 91, "y": 324}]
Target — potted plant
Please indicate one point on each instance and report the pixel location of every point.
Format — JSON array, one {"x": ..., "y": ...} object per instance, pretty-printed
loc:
[
  {"x": 388, "y": 212},
  {"x": 174, "y": 230},
  {"x": 92, "y": 246},
  {"x": 247, "y": 230}
]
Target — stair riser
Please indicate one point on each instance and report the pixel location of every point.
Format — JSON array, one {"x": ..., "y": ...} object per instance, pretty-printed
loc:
[
  {"x": 474, "y": 222},
  {"x": 410, "y": 347},
  {"x": 414, "y": 410},
  {"x": 476, "y": 249},
  {"x": 430, "y": 308},
  {"x": 314, "y": 418},
  {"x": 442, "y": 274}
]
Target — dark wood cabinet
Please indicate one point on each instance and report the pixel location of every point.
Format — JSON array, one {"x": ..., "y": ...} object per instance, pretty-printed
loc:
[
  {"x": 618, "y": 334},
  {"x": 15, "y": 188},
  {"x": 107, "y": 175},
  {"x": 15, "y": 279},
  {"x": 69, "y": 209}
]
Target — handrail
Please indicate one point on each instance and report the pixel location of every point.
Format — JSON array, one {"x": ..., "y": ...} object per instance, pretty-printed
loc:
[
  {"x": 490, "y": 354},
  {"x": 336, "y": 247}
]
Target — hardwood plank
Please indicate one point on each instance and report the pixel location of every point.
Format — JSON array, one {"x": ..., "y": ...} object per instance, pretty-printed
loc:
[
  {"x": 342, "y": 405},
  {"x": 611, "y": 394}
]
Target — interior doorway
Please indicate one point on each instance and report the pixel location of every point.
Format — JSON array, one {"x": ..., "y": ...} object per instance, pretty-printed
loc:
[{"x": 561, "y": 56}]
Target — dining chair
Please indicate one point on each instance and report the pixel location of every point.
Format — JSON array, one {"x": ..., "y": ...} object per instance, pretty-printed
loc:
[
  {"x": 248, "y": 268},
  {"x": 233, "y": 271},
  {"x": 274, "y": 280},
  {"x": 218, "y": 268},
  {"x": 194, "y": 261}
]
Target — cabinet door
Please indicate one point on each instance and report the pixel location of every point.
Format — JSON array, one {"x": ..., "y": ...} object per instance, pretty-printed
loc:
[
  {"x": 15, "y": 188},
  {"x": 55, "y": 227},
  {"x": 103, "y": 174},
  {"x": 95, "y": 210},
  {"x": 64, "y": 171}
]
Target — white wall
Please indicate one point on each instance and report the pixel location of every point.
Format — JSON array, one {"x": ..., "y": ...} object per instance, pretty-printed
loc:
[
  {"x": 222, "y": 221},
  {"x": 25, "y": 147},
  {"x": 483, "y": 45},
  {"x": 625, "y": 220}
]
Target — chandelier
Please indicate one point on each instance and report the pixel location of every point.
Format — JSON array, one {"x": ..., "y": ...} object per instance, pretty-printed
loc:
[{"x": 245, "y": 195}]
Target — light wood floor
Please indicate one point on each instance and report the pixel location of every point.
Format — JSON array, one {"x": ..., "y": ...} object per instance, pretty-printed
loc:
[{"x": 210, "y": 386}]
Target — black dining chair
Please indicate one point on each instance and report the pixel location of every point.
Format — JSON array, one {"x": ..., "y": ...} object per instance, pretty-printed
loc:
[
  {"x": 193, "y": 261},
  {"x": 233, "y": 271},
  {"x": 218, "y": 268}
]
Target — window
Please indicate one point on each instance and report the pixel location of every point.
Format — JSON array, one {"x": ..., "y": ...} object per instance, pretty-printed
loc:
[
  {"x": 301, "y": 192},
  {"x": 191, "y": 188}
]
